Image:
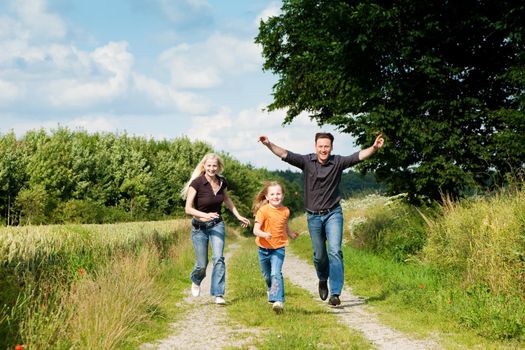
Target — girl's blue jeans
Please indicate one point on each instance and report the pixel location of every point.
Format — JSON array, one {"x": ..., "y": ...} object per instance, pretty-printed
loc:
[{"x": 271, "y": 261}]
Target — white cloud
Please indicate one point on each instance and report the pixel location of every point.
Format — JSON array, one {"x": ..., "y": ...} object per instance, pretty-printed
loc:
[
  {"x": 165, "y": 96},
  {"x": 271, "y": 11},
  {"x": 113, "y": 63},
  {"x": 205, "y": 64},
  {"x": 238, "y": 135},
  {"x": 38, "y": 21},
  {"x": 94, "y": 123},
  {"x": 9, "y": 92}
]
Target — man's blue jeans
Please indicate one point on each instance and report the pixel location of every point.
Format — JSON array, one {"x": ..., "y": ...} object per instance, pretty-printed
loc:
[
  {"x": 271, "y": 261},
  {"x": 328, "y": 263},
  {"x": 200, "y": 238}
]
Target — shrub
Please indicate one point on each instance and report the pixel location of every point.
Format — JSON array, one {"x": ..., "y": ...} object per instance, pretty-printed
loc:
[
  {"x": 79, "y": 211},
  {"x": 392, "y": 228}
]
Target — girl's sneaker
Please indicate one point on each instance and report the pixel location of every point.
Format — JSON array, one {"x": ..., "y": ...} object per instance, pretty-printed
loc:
[
  {"x": 278, "y": 307},
  {"x": 220, "y": 301}
]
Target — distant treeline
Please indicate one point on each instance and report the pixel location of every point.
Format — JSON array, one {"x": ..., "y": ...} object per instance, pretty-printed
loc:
[{"x": 66, "y": 176}]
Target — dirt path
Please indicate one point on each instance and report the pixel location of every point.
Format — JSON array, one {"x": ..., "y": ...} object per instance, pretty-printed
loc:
[
  {"x": 352, "y": 311},
  {"x": 206, "y": 325}
]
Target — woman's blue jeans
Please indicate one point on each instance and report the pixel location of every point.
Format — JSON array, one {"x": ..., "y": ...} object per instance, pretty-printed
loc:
[
  {"x": 328, "y": 263},
  {"x": 271, "y": 261},
  {"x": 215, "y": 236}
]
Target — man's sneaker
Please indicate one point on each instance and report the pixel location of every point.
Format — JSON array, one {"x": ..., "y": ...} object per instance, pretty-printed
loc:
[
  {"x": 195, "y": 289},
  {"x": 278, "y": 307},
  {"x": 323, "y": 290},
  {"x": 334, "y": 300},
  {"x": 220, "y": 301}
]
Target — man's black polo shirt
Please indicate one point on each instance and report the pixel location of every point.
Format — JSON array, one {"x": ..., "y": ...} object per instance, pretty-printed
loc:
[{"x": 321, "y": 181}]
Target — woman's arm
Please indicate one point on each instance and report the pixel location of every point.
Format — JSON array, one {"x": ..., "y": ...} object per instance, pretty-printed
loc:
[
  {"x": 229, "y": 204},
  {"x": 189, "y": 209}
]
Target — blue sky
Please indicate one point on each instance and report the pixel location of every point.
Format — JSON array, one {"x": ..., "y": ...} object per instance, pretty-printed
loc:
[{"x": 153, "y": 68}]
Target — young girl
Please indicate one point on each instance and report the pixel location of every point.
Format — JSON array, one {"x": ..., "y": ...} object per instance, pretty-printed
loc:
[
  {"x": 204, "y": 193},
  {"x": 272, "y": 231}
]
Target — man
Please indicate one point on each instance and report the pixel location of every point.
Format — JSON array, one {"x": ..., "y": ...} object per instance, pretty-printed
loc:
[{"x": 322, "y": 175}]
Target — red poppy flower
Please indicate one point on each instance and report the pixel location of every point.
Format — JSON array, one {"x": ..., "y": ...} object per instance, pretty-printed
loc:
[
  {"x": 421, "y": 286},
  {"x": 81, "y": 271},
  {"x": 19, "y": 347}
]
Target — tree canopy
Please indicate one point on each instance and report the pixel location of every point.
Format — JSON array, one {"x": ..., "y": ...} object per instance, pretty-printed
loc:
[
  {"x": 66, "y": 176},
  {"x": 444, "y": 81}
]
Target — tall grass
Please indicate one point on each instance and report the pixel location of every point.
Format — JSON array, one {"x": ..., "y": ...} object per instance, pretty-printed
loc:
[
  {"x": 464, "y": 261},
  {"x": 81, "y": 286},
  {"x": 483, "y": 240},
  {"x": 458, "y": 267},
  {"x": 387, "y": 226}
]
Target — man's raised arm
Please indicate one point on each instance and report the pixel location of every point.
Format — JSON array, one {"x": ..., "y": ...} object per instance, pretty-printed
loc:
[
  {"x": 278, "y": 151},
  {"x": 367, "y": 152}
]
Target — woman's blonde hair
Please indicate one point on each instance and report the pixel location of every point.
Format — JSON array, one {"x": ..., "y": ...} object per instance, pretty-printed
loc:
[
  {"x": 199, "y": 170},
  {"x": 260, "y": 198}
]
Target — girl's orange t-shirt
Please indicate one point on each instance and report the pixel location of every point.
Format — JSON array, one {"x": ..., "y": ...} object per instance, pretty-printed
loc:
[{"x": 273, "y": 220}]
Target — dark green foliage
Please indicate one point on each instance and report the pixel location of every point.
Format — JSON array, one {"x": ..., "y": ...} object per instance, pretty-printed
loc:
[
  {"x": 74, "y": 177},
  {"x": 444, "y": 81}
]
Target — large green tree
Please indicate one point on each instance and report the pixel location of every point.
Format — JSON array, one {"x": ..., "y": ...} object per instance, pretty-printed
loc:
[{"x": 443, "y": 80}]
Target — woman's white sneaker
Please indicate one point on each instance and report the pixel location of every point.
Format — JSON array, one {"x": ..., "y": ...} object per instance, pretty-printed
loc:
[
  {"x": 220, "y": 301},
  {"x": 195, "y": 289}
]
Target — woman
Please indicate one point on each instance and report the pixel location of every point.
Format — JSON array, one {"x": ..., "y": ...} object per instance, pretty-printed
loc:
[{"x": 205, "y": 192}]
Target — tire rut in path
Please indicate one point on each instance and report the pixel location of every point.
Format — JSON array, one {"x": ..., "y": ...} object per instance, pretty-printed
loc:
[
  {"x": 352, "y": 311},
  {"x": 205, "y": 325}
]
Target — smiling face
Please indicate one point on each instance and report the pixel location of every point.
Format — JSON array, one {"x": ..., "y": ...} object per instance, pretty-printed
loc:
[
  {"x": 275, "y": 196},
  {"x": 323, "y": 149},
  {"x": 211, "y": 167}
]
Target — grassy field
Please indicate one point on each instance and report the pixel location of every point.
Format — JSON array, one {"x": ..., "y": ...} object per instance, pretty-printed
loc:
[
  {"x": 90, "y": 286},
  {"x": 453, "y": 273},
  {"x": 456, "y": 271}
]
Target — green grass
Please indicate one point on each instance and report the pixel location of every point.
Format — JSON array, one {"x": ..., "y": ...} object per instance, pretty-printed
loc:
[
  {"x": 172, "y": 281},
  {"x": 59, "y": 281},
  {"x": 423, "y": 301},
  {"x": 304, "y": 324}
]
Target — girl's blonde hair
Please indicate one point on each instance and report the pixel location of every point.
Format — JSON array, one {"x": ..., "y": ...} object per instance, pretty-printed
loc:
[
  {"x": 199, "y": 170},
  {"x": 260, "y": 198}
]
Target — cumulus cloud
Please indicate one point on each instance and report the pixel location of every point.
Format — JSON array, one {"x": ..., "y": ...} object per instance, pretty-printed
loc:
[
  {"x": 113, "y": 63},
  {"x": 9, "y": 92},
  {"x": 94, "y": 123},
  {"x": 271, "y": 11},
  {"x": 205, "y": 64},
  {"x": 166, "y": 96},
  {"x": 40, "y": 23},
  {"x": 222, "y": 131}
]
